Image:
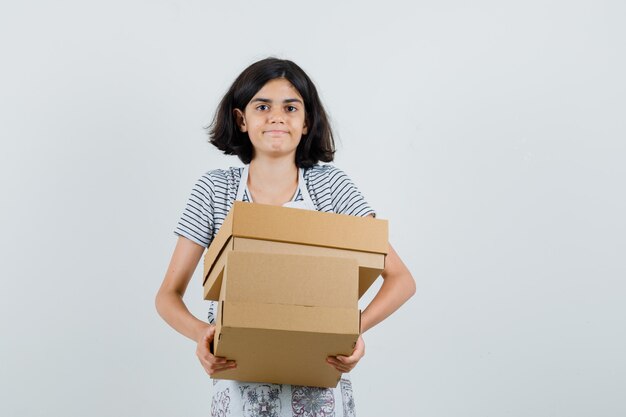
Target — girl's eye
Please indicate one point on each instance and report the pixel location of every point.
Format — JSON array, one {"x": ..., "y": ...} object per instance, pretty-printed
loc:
[
  {"x": 262, "y": 107},
  {"x": 291, "y": 108}
]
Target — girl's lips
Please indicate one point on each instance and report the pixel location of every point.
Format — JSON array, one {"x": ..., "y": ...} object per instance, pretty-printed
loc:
[{"x": 275, "y": 131}]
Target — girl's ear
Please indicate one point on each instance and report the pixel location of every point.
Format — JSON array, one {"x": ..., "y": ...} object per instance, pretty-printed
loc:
[
  {"x": 305, "y": 128},
  {"x": 240, "y": 119}
]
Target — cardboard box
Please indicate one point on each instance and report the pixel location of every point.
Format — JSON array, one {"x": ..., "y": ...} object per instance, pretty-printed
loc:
[
  {"x": 281, "y": 316},
  {"x": 288, "y": 283},
  {"x": 282, "y": 230}
]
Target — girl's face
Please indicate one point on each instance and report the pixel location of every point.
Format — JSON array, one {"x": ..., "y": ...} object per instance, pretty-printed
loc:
[{"x": 274, "y": 119}]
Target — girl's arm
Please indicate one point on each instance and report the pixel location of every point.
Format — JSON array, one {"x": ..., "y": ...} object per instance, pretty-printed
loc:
[
  {"x": 170, "y": 305},
  {"x": 169, "y": 299},
  {"x": 398, "y": 286}
]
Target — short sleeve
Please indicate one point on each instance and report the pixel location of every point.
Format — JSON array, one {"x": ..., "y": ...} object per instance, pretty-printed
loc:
[
  {"x": 196, "y": 222},
  {"x": 345, "y": 196}
]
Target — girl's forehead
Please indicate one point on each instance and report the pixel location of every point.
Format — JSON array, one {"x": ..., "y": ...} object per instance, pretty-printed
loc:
[{"x": 280, "y": 87}]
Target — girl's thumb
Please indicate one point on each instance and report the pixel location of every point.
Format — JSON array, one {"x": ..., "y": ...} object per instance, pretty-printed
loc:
[{"x": 209, "y": 333}]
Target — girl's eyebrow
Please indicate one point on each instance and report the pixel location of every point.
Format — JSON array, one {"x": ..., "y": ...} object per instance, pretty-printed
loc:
[{"x": 267, "y": 100}]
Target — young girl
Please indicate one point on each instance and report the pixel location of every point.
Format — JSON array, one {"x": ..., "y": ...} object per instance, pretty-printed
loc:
[{"x": 273, "y": 120}]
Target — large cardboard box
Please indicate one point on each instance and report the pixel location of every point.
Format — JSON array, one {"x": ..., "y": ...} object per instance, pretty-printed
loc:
[{"x": 288, "y": 282}]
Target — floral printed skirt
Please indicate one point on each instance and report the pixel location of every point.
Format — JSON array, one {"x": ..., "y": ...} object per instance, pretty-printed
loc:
[{"x": 249, "y": 399}]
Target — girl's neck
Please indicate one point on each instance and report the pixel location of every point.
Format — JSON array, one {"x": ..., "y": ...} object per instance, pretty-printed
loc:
[
  {"x": 272, "y": 180},
  {"x": 273, "y": 169}
]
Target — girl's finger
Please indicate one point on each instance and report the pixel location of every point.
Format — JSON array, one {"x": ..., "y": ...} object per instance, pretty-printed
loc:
[
  {"x": 224, "y": 367},
  {"x": 227, "y": 365},
  {"x": 219, "y": 363},
  {"x": 343, "y": 369},
  {"x": 209, "y": 335},
  {"x": 217, "y": 360},
  {"x": 339, "y": 366},
  {"x": 212, "y": 368},
  {"x": 349, "y": 360}
]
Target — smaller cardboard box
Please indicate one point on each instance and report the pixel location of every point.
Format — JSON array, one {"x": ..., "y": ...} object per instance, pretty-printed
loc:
[
  {"x": 270, "y": 229},
  {"x": 281, "y": 316}
]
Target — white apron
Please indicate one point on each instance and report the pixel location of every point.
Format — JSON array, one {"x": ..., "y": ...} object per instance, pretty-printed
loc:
[
  {"x": 306, "y": 203},
  {"x": 251, "y": 399}
]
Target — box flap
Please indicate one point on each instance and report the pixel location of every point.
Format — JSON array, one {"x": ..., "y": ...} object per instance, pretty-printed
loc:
[{"x": 214, "y": 274}]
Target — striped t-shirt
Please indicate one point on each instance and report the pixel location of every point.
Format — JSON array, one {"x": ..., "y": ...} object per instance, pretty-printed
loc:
[{"x": 214, "y": 194}]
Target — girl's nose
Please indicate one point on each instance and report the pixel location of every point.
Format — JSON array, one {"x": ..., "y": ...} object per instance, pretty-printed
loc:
[{"x": 276, "y": 116}]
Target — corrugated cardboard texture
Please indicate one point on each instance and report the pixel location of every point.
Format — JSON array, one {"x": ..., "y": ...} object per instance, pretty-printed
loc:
[
  {"x": 283, "y": 224},
  {"x": 370, "y": 264},
  {"x": 280, "y": 316},
  {"x": 291, "y": 279},
  {"x": 282, "y": 357},
  {"x": 293, "y": 318}
]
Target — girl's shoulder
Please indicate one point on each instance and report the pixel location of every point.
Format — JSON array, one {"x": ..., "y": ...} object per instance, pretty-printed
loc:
[
  {"x": 322, "y": 169},
  {"x": 223, "y": 172},
  {"x": 334, "y": 191},
  {"x": 324, "y": 173},
  {"x": 217, "y": 184},
  {"x": 220, "y": 175}
]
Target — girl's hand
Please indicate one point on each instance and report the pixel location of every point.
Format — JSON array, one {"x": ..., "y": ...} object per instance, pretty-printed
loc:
[
  {"x": 210, "y": 363},
  {"x": 347, "y": 363}
]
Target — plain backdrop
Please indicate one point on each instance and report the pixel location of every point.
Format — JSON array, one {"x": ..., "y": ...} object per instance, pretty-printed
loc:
[{"x": 490, "y": 134}]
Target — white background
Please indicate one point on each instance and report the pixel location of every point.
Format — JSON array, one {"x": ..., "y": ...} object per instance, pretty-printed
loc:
[{"x": 491, "y": 135}]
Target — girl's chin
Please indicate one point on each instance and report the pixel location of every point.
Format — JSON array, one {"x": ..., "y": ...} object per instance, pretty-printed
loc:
[
  {"x": 280, "y": 146},
  {"x": 276, "y": 147},
  {"x": 274, "y": 152}
]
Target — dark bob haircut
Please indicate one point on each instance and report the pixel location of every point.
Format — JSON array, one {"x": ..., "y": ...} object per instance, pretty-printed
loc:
[{"x": 317, "y": 145}]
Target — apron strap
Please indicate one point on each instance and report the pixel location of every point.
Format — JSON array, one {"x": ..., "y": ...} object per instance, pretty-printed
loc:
[
  {"x": 242, "y": 183},
  {"x": 308, "y": 202}
]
